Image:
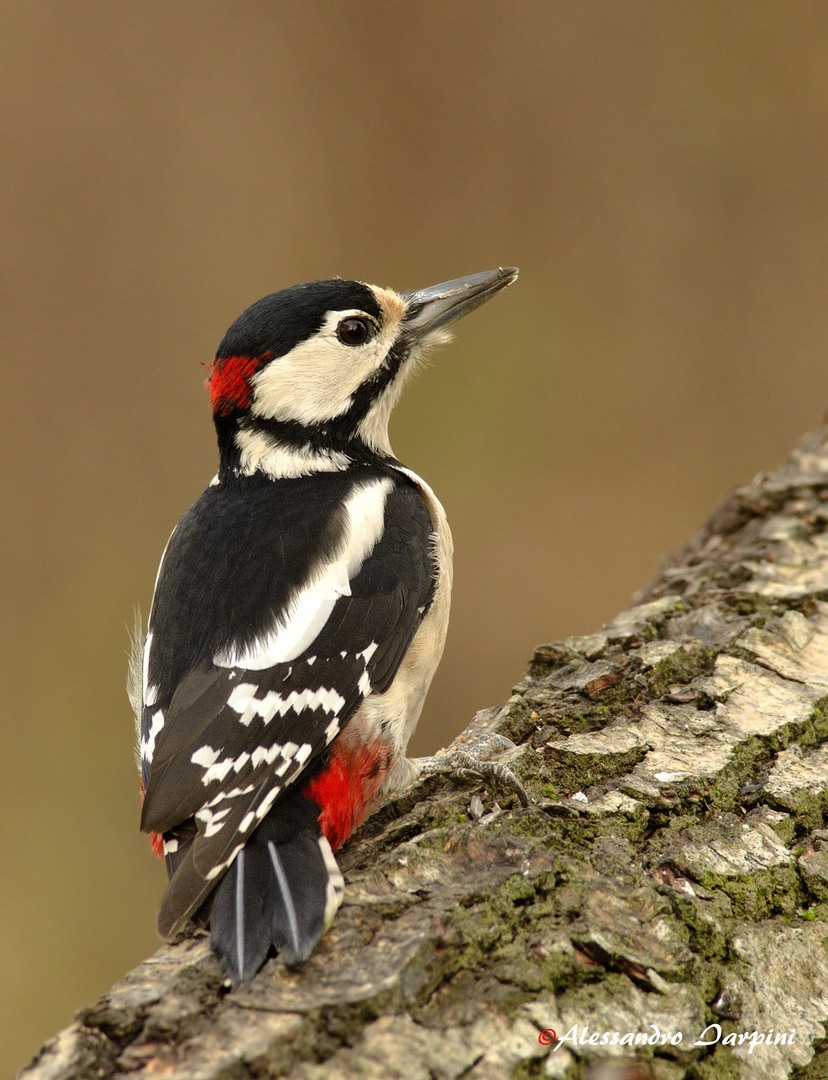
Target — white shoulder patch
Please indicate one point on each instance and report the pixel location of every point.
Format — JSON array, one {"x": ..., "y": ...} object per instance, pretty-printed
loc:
[{"x": 311, "y": 605}]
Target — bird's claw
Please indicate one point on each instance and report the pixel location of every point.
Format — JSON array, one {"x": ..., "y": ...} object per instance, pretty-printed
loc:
[{"x": 467, "y": 765}]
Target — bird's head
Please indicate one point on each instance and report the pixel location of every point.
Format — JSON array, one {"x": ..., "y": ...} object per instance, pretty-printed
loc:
[{"x": 306, "y": 378}]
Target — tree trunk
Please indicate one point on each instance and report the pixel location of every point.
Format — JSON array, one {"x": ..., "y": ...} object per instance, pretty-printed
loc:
[{"x": 661, "y": 904}]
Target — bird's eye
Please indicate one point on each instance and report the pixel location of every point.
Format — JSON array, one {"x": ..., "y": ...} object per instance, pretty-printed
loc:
[{"x": 353, "y": 331}]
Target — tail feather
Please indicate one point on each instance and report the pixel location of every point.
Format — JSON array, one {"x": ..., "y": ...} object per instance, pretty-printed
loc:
[
  {"x": 287, "y": 937},
  {"x": 279, "y": 894}
]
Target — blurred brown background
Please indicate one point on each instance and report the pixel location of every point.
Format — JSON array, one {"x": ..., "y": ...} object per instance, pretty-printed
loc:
[{"x": 659, "y": 172}]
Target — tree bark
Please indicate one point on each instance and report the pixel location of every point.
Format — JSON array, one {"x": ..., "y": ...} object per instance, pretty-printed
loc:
[{"x": 668, "y": 883}]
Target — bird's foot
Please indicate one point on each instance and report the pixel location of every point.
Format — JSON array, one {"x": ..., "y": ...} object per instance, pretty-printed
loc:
[{"x": 457, "y": 762}]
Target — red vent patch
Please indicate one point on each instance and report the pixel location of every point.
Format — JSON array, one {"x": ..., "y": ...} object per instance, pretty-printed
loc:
[{"x": 347, "y": 788}]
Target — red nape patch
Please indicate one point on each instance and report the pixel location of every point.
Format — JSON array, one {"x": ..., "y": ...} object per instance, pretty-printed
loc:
[
  {"x": 347, "y": 787},
  {"x": 229, "y": 382}
]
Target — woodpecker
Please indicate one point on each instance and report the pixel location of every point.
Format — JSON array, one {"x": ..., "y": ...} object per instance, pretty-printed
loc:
[{"x": 299, "y": 614}]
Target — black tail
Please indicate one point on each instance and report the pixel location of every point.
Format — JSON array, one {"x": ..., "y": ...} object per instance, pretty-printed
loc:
[{"x": 279, "y": 894}]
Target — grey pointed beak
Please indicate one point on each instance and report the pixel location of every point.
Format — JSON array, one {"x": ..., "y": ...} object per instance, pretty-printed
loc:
[{"x": 438, "y": 305}]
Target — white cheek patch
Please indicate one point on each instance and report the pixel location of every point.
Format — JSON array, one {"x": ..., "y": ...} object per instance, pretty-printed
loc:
[
  {"x": 317, "y": 379},
  {"x": 311, "y": 606}
]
